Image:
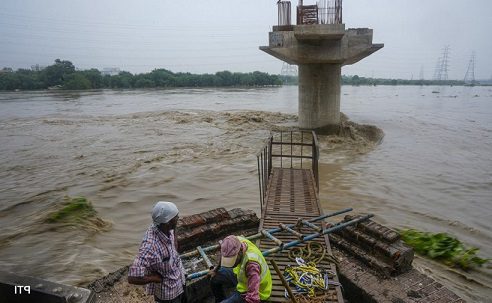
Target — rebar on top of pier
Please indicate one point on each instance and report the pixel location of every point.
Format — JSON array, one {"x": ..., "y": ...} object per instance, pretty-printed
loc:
[
  {"x": 330, "y": 11},
  {"x": 323, "y": 12}
]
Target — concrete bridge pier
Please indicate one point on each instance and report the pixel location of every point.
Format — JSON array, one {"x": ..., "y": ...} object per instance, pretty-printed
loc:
[
  {"x": 319, "y": 96},
  {"x": 320, "y": 49}
]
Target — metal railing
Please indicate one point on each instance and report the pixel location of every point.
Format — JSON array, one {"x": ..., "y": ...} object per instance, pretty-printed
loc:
[{"x": 294, "y": 149}]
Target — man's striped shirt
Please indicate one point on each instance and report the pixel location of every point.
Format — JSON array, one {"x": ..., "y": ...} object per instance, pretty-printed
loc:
[{"x": 158, "y": 253}]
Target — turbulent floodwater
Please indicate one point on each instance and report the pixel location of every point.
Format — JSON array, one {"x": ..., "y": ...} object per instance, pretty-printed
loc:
[{"x": 124, "y": 150}]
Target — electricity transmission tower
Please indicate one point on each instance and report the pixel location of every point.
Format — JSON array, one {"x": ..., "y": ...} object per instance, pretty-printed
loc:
[
  {"x": 437, "y": 69},
  {"x": 470, "y": 71},
  {"x": 442, "y": 66},
  {"x": 288, "y": 74},
  {"x": 288, "y": 70}
]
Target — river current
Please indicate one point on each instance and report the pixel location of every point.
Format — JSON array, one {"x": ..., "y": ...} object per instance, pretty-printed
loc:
[{"x": 125, "y": 150}]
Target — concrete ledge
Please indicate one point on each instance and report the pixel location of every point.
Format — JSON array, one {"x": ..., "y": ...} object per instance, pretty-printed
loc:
[
  {"x": 40, "y": 291},
  {"x": 319, "y": 31},
  {"x": 357, "y": 55},
  {"x": 277, "y": 53},
  {"x": 283, "y": 28}
]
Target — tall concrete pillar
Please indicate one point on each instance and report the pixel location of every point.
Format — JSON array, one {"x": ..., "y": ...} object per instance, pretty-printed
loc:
[
  {"x": 320, "y": 50},
  {"x": 319, "y": 95}
]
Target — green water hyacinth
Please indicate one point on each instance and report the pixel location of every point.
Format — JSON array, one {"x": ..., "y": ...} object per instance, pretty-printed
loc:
[
  {"x": 443, "y": 247},
  {"x": 77, "y": 212},
  {"x": 75, "y": 209}
]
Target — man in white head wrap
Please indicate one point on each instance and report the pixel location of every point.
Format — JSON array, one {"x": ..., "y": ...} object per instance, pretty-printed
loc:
[
  {"x": 158, "y": 265},
  {"x": 164, "y": 212}
]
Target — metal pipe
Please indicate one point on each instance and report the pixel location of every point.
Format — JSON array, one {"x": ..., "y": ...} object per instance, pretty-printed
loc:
[
  {"x": 312, "y": 236},
  {"x": 204, "y": 256},
  {"x": 312, "y": 226},
  {"x": 302, "y": 142},
  {"x": 288, "y": 229},
  {"x": 272, "y": 231},
  {"x": 194, "y": 252},
  {"x": 297, "y": 242},
  {"x": 291, "y": 149},
  {"x": 281, "y": 141},
  {"x": 269, "y": 236},
  {"x": 265, "y": 174},
  {"x": 270, "y": 152},
  {"x": 276, "y": 230},
  {"x": 284, "y": 283},
  {"x": 197, "y": 275},
  {"x": 262, "y": 176},
  {"x": 259, "y": 183}
]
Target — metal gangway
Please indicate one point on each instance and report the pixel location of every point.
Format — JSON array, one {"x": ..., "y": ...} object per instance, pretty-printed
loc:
[
  {"x": 289, "y": 186},
  {"x": 291, "y": 214}
]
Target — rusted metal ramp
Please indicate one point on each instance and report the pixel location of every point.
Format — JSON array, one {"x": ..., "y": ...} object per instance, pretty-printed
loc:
[{"x": 288, "y": 179}]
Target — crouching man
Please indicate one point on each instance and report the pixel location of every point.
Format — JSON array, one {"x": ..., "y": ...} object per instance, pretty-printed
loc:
[{"x": 242, "y": 266}]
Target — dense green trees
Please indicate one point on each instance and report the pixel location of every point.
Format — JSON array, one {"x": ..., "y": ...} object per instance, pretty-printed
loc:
[
  {"x": 55, "y": 74},
  {"x": 76, "y": 81},
  {"x": 95, "y": 78},
  {"x": 63, "y": 74}
]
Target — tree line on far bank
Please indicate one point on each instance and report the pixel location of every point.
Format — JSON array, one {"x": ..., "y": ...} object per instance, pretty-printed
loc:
[
  {"x": 63, "y": 74},
  {"x": 356, "y": 80}
]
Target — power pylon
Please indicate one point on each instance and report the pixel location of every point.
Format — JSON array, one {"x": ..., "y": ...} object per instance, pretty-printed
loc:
[
  {"x": 288, "y": 70},
  {"x": 470, "y": 71},
  {"x": 442, "y": 67},
  {"x": 437, "y": 69}
]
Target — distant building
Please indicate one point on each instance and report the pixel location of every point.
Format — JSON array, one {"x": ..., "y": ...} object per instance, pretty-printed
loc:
[
  {"x": 37, "y": 67},
  {"x": 110, "y": 71},
  {"x": 6, "y": 70}
]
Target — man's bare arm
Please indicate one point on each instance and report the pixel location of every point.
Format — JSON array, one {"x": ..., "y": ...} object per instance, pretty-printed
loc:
[{"x": 152, "y": 278}]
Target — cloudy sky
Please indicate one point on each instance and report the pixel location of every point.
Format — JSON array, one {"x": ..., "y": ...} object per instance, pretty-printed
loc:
[{"x": 209, "y": 36}]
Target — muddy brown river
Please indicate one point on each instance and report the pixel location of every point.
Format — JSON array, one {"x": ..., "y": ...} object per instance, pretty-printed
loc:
[{"x": 124, "y": 150}]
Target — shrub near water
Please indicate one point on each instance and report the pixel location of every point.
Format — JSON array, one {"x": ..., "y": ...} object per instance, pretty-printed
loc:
[
  {"x": 443, "y": 247},
  {"x": 78, "y": 211}
]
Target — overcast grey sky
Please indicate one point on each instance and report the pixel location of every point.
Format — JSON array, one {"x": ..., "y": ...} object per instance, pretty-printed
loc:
[{"x": 209, "y": 36}]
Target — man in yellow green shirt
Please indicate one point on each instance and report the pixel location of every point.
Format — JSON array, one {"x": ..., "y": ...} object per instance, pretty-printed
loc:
[{"x": 242, "y": 266}]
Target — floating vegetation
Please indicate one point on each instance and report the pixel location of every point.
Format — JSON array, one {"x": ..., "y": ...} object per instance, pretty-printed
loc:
[
  {"x": 78, "y": 211},
  {"x": 444, "y": 248}
]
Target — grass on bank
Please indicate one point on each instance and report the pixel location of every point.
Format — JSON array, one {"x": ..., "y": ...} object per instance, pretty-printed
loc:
[{"x": 444, "y": 248}]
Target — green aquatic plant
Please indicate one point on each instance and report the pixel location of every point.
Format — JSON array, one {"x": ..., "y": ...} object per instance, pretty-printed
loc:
[
  {"x": 443, "y": 247},
  {"x": 78, "y": 212},
  {"x": 74, "y": 210}
]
